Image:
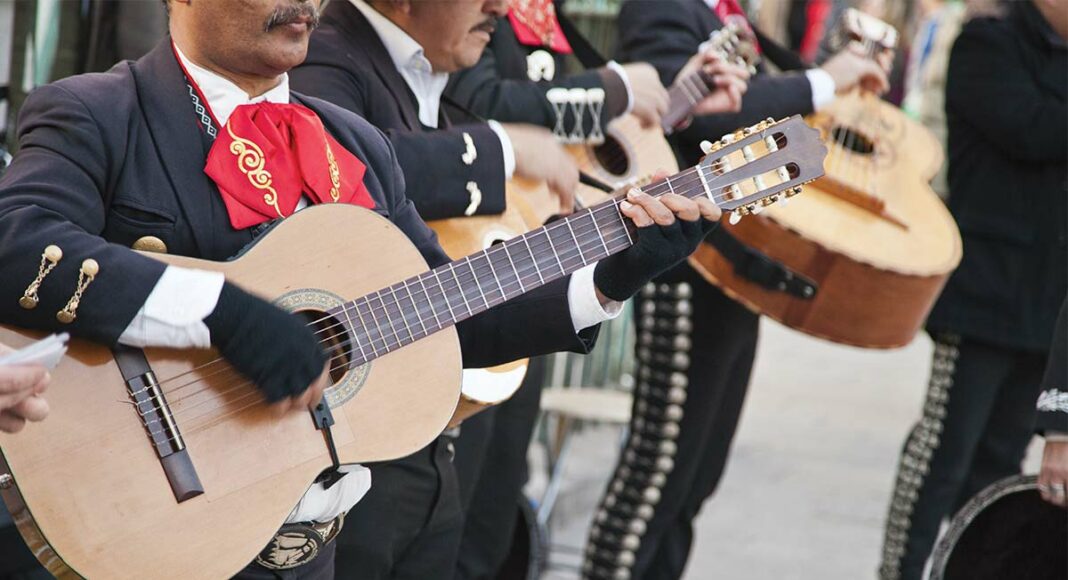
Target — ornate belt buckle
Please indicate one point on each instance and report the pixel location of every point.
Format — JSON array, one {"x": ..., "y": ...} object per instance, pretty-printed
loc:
[{"x": 297, "y": 544}]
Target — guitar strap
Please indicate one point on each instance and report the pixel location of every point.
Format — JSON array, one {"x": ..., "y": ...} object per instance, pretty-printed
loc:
[{"x": 759, "y": 268}]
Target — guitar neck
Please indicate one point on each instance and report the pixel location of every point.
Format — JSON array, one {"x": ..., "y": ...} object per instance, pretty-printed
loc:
[
  {"x": 684, "y": 96},
  {"x": 422, "y": 305}
]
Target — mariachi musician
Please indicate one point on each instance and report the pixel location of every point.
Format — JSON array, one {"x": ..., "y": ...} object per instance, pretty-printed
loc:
[
  {"x": 522, "y": 77},
  {"x": 389, "y": 60},
  {"x": 696, "y": 345},
  {"x": 219, "y": 77}
]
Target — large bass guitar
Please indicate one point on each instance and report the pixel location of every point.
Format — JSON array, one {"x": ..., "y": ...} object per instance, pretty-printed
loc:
[
  {"x": 179, "y": 470},
  {"x": 871, "y": 236}
]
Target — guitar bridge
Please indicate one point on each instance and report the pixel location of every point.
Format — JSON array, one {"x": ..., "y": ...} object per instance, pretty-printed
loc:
[{"x": 159, "y": 423}]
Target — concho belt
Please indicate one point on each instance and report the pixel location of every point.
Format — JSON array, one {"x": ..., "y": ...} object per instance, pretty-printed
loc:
[{"x": 297, "y": 544}]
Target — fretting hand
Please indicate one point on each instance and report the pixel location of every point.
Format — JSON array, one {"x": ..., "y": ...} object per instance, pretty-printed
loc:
[
  {"x": 670, "y": 227},
  {"x": 275, "y": 349},
  {"x": 849, "y": 69},
  {"x": 729, "y": 82}
]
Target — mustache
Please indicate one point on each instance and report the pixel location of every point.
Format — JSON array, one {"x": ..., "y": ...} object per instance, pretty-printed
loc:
[
  {"x": 489, "y": 25},
  {"x": 292, "y": 13}
]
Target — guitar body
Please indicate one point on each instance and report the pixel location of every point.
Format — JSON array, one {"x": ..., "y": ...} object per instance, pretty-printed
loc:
[
  {"x": 88, "y": 492},
  {"x": 871, "y": 233},
  {"x": 630, "y": 154}
]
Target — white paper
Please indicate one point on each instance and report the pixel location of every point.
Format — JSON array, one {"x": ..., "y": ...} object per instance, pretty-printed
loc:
[{"x": 46, "y": 352}]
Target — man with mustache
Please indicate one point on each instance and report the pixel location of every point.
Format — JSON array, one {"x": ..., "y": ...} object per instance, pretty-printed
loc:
[{"x": 141, "y": 156}]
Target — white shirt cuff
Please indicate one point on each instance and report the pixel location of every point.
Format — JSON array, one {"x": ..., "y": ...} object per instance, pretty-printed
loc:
[
  {"x": 622, "y": 72},
  {"x": 823, "y": 89},
  {"x": 322, "y": 505},
  {"x": 173, "y": 315},
  {"x": 586, "y": 309},
  {"x": 506, "y": 148}
]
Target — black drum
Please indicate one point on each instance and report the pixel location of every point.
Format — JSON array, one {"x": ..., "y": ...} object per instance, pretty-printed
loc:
[
  {"x": 1005, "y": 532},
  {"x": 529, "y": 554}
]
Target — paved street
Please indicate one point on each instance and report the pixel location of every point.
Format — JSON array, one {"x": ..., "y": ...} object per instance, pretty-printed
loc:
[{"x": 806, "y": 491}]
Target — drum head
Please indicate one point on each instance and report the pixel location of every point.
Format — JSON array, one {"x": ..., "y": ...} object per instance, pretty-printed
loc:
[{"x": 1006, "y": 531}]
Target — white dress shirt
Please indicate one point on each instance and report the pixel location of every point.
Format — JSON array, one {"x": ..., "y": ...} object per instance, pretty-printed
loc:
[{"x": 823, "y": 88}]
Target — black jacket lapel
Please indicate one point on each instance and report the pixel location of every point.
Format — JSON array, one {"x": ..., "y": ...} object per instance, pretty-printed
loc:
[
  {"x": 361, "y": 35},
  {"x": 170, "y": 118}
]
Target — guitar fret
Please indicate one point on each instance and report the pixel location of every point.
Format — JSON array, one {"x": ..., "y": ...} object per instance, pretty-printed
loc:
[
  {"x": 537, "y": 267},
  {"x": 522, "y": 289},
  {"x": 448, "y": 303},
  {"x": 404, "y": 315},
  {"x": 460, "y": 289},
  {"x": 556, "y": 255},
  {"x": 378, "y": 326},
  {"x": 578, "y": 246},
  {"x": 623, "y": 223},
  {"x": 389, "y": 321},
  {"x": 355, "y": 337},
  {"x": 489, "y": 259},
  {"x": 474, "y": 278},
  {"x": 430, "y": 300},
  {"x": 418, "y": 311},
  {"x": 600, "y": 235}
]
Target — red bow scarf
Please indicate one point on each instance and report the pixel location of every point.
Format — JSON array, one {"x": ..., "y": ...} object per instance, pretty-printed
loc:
[
  {"x": 269, "y": 155},
  {"x": 535, "y": 24}
]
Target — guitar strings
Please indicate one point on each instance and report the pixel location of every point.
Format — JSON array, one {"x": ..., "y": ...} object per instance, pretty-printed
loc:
[
  {"x": 713, "y": 167},
  {"x": 654, "y": 189}
]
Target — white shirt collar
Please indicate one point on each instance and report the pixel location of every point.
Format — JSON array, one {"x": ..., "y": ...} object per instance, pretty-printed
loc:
[
  {"x": 224, "y": 96},
  {"x": 411, "y": 62},
  {"x": 712, "y": 3}
]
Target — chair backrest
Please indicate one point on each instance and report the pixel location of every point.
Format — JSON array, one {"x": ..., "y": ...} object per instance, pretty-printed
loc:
[{"x": 609, "y": 365}]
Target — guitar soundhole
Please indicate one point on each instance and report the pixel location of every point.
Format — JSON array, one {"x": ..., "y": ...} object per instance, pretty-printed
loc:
[
  {"x": 852, "y": 140},
  {"x": 335, "y": 340},
  {"x": 612, "y": 157}
]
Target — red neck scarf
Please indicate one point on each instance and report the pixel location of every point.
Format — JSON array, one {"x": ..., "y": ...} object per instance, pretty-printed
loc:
[
  {"x": 535, "y": 24},
  {"x": 269, "y": 155}
]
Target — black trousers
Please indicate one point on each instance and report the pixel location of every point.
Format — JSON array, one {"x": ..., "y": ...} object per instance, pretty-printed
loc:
[
  {"x": 695, "y": 353},
  {"x": 16, "y": 560},
  {"x": 491, "y": 464},
  {"x": 978, "y": 419},
  {"x": 408, "y": 525}
]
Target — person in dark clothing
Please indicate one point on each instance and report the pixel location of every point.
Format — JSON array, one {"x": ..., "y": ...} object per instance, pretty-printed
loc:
[
  {"x": 1006, "y": 113},
  {"x": 516, "y": 80},
  {"x": 696, "y": 345}
]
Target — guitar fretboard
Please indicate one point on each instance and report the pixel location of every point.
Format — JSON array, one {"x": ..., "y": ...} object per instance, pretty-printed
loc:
[{"x": 422, "y": 305}]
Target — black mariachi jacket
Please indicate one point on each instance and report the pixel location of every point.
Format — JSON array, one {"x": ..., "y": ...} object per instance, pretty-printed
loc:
[
  {"x": 1006, "y": 113},
  {"x": 1053, "y": 401},
  {"x": 108, "y": 158},
  {"x": 511, "y": 81},
  {"x": 348, "y": 65}
]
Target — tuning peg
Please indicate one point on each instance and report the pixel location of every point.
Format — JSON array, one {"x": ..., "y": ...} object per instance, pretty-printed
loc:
[
  {"x": 706, "y": 147},
  {"x": 769, "y": 200},
  {"x": 736, "y": 217},
  {"x": 756, "y": 209}
]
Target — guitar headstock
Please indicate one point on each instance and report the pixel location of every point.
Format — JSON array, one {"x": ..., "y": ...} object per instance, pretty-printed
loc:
[
  {"x": 864, "y": 30},
  {"x": 734, "y": 43},
  {"x": 758, "y": 166}
]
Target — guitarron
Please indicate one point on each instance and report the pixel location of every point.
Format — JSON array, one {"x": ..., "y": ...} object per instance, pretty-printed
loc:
[{"x": 871, "y": 234}]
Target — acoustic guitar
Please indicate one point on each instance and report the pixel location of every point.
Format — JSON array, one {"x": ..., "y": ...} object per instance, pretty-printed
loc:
[
  {"x": 871, "y": 234},
  {"x": 628, "y": 157},
  {"x": 182, "y": 471}
]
